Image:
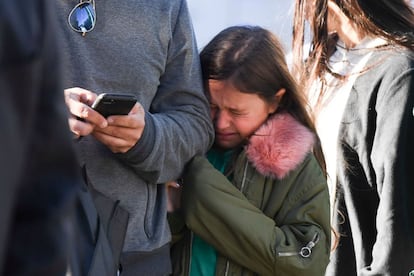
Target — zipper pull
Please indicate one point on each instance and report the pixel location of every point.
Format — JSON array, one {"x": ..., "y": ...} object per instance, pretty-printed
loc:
[{"x": 306, "y": 251}]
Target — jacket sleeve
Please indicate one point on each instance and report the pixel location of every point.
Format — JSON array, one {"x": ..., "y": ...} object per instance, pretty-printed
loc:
[
  {"x": 219, "y": 213},
  {"x": 178, "y": 124},
  {"x": 392, "y": 159},
  {"x": 177, "y": 225}
]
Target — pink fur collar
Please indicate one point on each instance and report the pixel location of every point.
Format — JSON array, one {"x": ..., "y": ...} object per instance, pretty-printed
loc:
[{"x": 279, "y": 145}]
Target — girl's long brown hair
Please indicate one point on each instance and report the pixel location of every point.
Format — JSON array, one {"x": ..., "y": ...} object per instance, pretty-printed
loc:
[{"x": 252, "y": 58}]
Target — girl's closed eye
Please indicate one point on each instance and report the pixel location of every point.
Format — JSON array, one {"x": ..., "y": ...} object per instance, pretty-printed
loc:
[{"x": 238, "y": 112}]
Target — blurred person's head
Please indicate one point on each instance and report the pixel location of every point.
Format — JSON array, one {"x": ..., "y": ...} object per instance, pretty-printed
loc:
[{"x": 350, "y": 21}]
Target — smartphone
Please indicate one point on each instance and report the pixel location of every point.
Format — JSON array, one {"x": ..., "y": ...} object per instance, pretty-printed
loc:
[{"x": 109, "y": 104}]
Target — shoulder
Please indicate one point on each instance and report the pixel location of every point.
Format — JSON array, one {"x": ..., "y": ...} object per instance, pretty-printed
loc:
[
  {"x": 173, "y": 7},
  {"x": 389, "y": 72},
  {"x": 159, "y": 10},
  {"x": 306, "y": 182},
  {"x": 390, "y": 63},
  {"x": 279, "y": 146}
]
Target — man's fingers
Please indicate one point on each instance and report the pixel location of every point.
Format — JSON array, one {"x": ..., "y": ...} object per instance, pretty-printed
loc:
[{"x": 80, "y": 128}]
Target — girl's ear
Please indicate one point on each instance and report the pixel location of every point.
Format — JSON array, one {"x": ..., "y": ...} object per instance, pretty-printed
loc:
[
  {"x": 279, "y": 94},
  {"x": 278, "y": 97}
]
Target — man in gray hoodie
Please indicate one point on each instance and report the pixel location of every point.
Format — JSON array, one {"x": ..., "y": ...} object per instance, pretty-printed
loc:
[{"x": 146, "y": 48}]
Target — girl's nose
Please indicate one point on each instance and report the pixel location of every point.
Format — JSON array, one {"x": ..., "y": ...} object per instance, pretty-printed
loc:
[{"x": 221, "y": 120}]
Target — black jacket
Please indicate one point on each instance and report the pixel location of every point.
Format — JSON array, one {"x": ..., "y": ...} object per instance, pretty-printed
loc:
[{"x": 375, "y": 173}]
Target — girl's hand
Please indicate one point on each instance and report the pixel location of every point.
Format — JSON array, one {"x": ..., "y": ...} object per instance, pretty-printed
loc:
[{"x": 173, "y": 196}]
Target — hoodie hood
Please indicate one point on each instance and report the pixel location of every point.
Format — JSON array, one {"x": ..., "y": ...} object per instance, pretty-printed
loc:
[{"x": 279, "y": 145}]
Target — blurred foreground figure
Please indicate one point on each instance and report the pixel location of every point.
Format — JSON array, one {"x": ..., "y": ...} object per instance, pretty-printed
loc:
[{"x": 38, "y": 175}]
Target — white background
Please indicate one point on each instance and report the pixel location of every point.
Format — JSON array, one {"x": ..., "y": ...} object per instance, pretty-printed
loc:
[{"x": 211, "y": 16}]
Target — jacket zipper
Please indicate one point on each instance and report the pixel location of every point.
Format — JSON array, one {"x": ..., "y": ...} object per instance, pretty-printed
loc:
[
  {"x": 304, "y": 252},
  {"x": 227, "y": 268},
  {"x": 244, "y": 177},
  {"x": 241, "y": 190}
]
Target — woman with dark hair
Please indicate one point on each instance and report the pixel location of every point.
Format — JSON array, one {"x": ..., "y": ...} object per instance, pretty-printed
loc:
[
  {"x": 359, "y": 77},
  {"x": 259, "y": 203}
]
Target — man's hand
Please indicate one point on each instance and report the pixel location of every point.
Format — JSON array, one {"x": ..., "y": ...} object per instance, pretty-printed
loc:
[
  {"x": 122, "y": 131},
  {"x": 83, "y": 118}
]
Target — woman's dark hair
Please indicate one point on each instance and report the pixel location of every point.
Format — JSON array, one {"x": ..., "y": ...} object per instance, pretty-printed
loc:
[
  {"x": 253, "y": 60},
  {"x": 392, "y": 20}
]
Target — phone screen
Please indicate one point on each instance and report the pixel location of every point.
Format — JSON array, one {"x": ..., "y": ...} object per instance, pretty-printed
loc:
[{"x": 114, "y": 104}]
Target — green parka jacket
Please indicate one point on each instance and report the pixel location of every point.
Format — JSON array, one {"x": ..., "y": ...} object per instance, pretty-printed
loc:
[{"x": 274, "y": 218}]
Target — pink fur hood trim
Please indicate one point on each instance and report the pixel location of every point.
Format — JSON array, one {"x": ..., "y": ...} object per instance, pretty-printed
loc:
[{"x": 279, "y": 145}]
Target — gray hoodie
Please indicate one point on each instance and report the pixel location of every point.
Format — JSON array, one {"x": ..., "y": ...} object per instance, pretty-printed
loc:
[{"x": 147, "y": 48}]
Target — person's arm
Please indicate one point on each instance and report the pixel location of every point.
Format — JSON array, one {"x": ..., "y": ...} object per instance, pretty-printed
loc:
[
  {"x": 392, "y": 159},
  {"x": 178, "y": 124},
  {"x": 220, "y": 214}
]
